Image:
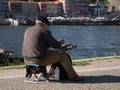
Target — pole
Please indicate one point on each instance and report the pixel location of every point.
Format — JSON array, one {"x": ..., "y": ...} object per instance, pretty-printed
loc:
[
  {"x": 97, "y": 2},
  {"x": 118, "y": 5}
]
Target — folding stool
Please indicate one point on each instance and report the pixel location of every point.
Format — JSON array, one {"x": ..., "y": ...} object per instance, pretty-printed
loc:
[{"x": 34, "y": 69}]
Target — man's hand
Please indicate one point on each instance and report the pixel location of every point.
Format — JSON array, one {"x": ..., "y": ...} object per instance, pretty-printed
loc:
[{"x": 62, "y": 41}]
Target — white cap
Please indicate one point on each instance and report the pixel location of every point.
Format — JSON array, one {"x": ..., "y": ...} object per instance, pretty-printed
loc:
[{"x": 38, "y": 22}]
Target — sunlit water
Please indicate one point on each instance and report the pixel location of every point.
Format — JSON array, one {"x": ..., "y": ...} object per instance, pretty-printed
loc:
[{"x": 92, "y": 41}]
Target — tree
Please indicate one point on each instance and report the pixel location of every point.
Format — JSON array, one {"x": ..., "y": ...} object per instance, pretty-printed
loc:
[
  {"x": 105, "y": 1},
  {"x": 93, "y": 1}
]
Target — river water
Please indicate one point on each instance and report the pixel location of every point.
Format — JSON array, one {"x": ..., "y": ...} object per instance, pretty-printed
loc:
[{"x": 92, "y": 41}]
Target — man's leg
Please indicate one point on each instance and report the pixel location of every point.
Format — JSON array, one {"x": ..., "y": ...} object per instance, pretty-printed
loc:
[
  {"x": 63, "y": 59},
  {"x": 66, "y": 63},
  {"x": 55, "y": 57}
]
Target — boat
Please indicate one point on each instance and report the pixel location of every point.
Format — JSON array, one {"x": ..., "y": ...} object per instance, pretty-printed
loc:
[
  {"x": 87, "y": 23},
  {"x": 84, "y": 21}
]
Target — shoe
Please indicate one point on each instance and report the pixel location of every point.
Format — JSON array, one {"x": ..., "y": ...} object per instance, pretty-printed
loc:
[{"x": 77, "y": 78}]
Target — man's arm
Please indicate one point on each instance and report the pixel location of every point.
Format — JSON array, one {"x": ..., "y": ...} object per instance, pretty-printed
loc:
[{"x": 51, "y": 41}]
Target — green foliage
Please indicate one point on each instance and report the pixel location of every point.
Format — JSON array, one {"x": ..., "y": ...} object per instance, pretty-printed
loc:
[
  {"x": 13, "y": 67},
  {"x": 93, "y": 1},
  {"x": 9, "y": 62},
  {"x": 105, "y": 1},
  {"x": 5, "y": 62},
  {"x": 16, "y": 62},
  {"x": 81, "y": 63}
]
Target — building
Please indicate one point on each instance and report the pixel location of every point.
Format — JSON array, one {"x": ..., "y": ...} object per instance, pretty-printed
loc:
[
  {"x": 23, "y": 8},
  {"x": 98, "y": 9},
  {"x": 76, "y": 7},
  {"x": 114, "y": 3},
  {"x": 34, "y": 8},
  {"x": 79, "y": 7},
  {"x": 52, "y": 8},
  {"x": 4, "y": 6}
]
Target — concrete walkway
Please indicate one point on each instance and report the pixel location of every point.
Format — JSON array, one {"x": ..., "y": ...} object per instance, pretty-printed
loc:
[{"x": 98, "y": 77}]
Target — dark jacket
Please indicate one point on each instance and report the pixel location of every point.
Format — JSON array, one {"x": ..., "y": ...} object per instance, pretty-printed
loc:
[{"x": 37, "y": 41}]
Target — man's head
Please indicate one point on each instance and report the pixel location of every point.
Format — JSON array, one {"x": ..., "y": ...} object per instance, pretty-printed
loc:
[{"x": 44, "y": 21}]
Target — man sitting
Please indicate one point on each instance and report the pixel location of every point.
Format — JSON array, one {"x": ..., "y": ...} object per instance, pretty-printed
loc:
[{"x": 37, "y": 40}]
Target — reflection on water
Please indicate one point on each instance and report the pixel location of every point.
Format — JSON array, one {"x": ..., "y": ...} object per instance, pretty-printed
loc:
[{"x": 92, "y": 41}]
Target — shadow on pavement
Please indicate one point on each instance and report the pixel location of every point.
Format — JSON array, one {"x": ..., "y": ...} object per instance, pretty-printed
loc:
[
  {"x": 102, "y": 79},
  {"x": 96, "y": 79}
]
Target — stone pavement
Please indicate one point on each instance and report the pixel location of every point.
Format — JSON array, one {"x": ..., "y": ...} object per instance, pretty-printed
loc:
[{"x": 97, "y": 78}]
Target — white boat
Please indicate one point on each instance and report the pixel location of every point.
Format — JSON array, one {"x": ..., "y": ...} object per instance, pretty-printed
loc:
[{"x": 13, "y": 22}]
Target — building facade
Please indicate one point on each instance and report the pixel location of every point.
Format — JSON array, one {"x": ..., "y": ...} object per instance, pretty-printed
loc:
[
  {"x": 4, "y": 6},
  {"x": 76, "y": 7},
  {"x": 114, "y": 3},
  {"x": 23, "y": 8},
  {"x": 35, "y": 8},
  {"x": 46, "y": 7},
  {"x": 98, "y": 9},
  {"x": 52, "y": 8},
  {"x": 79, "y": 7}
]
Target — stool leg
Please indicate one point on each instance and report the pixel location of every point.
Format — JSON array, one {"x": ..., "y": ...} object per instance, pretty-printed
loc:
[
  {"x": 39, "y": 76},
  {"x": 28, "y": 76},
  {"x": 36, "y": 77}
]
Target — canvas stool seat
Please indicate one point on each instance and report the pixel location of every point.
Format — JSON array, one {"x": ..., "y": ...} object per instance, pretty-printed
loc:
[{"x": 37, "y": 71}]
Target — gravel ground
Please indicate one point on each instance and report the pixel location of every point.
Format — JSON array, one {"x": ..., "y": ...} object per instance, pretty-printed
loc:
[{"x": 95, "y": 80}]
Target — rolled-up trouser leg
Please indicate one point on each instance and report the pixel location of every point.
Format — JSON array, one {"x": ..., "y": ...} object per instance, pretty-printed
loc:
[{"x": 55, "y": 57}]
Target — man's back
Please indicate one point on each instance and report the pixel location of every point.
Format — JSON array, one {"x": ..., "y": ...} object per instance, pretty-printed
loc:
[
  {"x": 37, "y": 40},
  {"x": 34, "y": 45}
]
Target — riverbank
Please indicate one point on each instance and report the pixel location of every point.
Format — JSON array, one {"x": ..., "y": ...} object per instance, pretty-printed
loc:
[{"x": 99, "y": 75}]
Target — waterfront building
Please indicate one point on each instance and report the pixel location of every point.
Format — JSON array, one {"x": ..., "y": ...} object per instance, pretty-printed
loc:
[
  {"x": 114, "y": 3},
  {"x": 101, "y": 8},
  {"x": 23, "y": 8},
  {"x": 3, "y": 6},
  {"x": 76, "y": 7},
  {"x": 98, "y": 9},
  {"x": 52, "y": 8},
  {"x": 46, "y": 7},
  {"x": 26, "y": 8}
]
